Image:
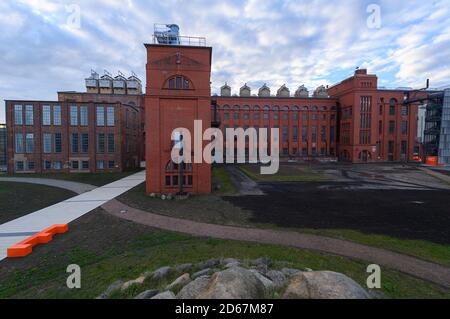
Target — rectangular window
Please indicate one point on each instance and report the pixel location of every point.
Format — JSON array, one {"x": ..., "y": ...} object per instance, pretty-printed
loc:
[
  {"x": 57, "y": 165},
  {"x": 295, "y": 117},
  {"x": 58, "y": 143},
  {"x": 75, "y": 165},
  {"x": 168, "y": 180},
  {"x": 100, "y": 113},
  {"x": 175, "y": 180},
  {"x": 295, "y": 133},
  {"x": 404, "y": 127},
  {"x": 275, "y": 117},
  {"x": 19, "y": 143},
  {"x": 100, "y": 165},
  {"x": 47, "y": 165},
  {"x": 226, "y": 116},
  {"x": 47, "y": 143},
  {"x": 84, "y": 142},
  {"x": 56, "y": 115},
  {"x": 256, "y": 116},
  {"x": 380, "y": 127},
  {"x": 304, "y": 117},
  {"x": 236, "y": 116},
  {"x": 111, "y": 144},
  {"x": 31, "y": 165},
  {"x": 85, "y": 164},
  {"x": 285, "y": 133},
  {"x": 304, "y": 133},
  {"x": 323, "y": 134},
  {"x": 84, "y": 120},
  {"x": 18, "y": 116},
  {"x": 332, "y": 134},
  {"x": 74, "y": 143},
  {"x": 246, "y": 116},
  {"x": 19, "y": 166},
  {"x": 101, "y": 143},
  {"x": 314, "y": 134},
  {"x": 126, "y": 118},
  {"x": 111, "y": 164},
  {"x": 266, "y": 116},
  {"x": 403, "y": 148},
  {"x": 29, "y": 143},
  {"x": 404, "y": 110},
  {"x": 391, "y": 127},
  {"x": 73, "y": 115},
  {"x": 172, "y": 83},
  {"x": 110, "y": 116},
  {"x": 134, "y": 120},
  {"x": 46, "y": 119},
  {"x": 314, "y": 117},
  {"x": 29, "y": 115}
]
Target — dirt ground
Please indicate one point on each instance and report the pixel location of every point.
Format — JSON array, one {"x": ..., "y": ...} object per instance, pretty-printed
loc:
[{"x": 394, "y": 200}]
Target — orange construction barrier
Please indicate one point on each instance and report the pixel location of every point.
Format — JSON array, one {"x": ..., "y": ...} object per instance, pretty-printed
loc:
[
  {"x": 25, "y": 247},
  {"x": 432, "y": 160}
]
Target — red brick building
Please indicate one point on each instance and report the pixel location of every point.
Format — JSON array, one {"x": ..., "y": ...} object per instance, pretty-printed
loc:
[{"x": 113, "y": 126}]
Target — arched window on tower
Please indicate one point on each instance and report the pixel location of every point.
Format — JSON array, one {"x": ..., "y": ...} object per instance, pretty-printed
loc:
[{"x": 178, "y": 82}]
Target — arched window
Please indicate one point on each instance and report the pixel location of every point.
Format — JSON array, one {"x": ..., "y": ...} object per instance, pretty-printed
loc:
[
  {"x": 392, "y": 104},
  {"x": 246, "y": 108},
  {"x": 266, "y": 108},
  {"x": 172, "y": 178},
  {"x": 314, "y": 108},
  {"x": 285, "y": 108},
  {"x": 324, "y": 108},
  {"x": 295, "y": 108},
  {"x": 178, "y": 82},
  {"x": 226, "y": 107},
  {"x": 275, "y": 108},
  {"x": 256, "y": 108},
  {"x": 236, "y": 107},
  {"x": 304, "y": 108}
]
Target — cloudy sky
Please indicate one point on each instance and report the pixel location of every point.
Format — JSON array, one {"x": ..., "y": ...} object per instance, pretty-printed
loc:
[{"x": 46, "y": 46}]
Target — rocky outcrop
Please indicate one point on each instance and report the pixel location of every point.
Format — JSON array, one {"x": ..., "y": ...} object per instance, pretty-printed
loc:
[
  {"x": 238, "y": 279},
  {"x": 323, "y": 285},
  {"x": 234, "y": 283}
]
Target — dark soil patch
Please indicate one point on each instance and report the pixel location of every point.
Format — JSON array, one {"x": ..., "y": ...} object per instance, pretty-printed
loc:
[
  {"x": 19, "y": 199},
  {"x": 405, "y": 214}
]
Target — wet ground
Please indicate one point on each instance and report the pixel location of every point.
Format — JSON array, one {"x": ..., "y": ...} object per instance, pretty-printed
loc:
[{"x": 394, "y": 200}]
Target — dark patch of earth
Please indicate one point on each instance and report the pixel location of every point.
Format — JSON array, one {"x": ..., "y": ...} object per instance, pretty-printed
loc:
[{"x": 405, "y": 214}]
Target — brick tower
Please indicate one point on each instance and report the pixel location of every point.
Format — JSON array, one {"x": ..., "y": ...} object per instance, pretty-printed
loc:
[{"x": 177, "y": 93}]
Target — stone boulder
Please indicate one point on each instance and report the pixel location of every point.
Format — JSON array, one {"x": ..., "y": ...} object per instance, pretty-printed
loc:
[
  {"x": 111, "y": 288},
  {"x": 183, "y": 268},
  {"x": 161, "y": 273},
  {"x": 201, "y": 273},
  {"x": 165, "y": 295},
  {"x": 193, "y": 289},
  {"x": 179, "y": 282},
  {"x": 323, "y": 285},
  {"x": 137, "y": 281},
  {"x": 234, "y": 283},
  {"x": 147, "y": 294},
  {"x": 277, "y": 277}
]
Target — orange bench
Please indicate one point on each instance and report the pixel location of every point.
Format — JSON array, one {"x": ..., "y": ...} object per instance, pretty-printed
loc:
[{"x": 25, "y": 247}]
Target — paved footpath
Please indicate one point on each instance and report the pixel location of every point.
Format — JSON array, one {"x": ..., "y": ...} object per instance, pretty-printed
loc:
[
  {"x": 413, "y": 266},
  {"x": 64, "y": 212},
  {"x": 75, "y": 187}
]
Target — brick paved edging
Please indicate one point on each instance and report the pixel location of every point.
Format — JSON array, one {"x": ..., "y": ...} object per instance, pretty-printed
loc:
[{"x": 429, "y": 271}]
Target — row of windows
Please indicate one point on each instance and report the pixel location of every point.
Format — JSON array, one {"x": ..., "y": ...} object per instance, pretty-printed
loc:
[
  {"x": 174, "y": 180},
  {"x": 276, "y": 117},
  {"x": 57, "y": 165},
  {"x": 313, "y": 108},
  {"x": 294, "y": 133},
  {"x": 52, "y": 143},
  {"x": 78, "y": 115}
]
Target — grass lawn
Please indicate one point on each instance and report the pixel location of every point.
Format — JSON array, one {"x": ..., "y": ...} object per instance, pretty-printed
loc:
[
  {"x": 222, "y": 183},
  {"x": 215, "y": 209},
  {"x": 96, "y": 179},
  {"x": 19, "y": 199},
  {"x": 286, "y": 173},
  {"x": 108, "y": 249}
]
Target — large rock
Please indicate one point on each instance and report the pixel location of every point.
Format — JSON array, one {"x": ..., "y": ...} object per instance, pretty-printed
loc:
[
  {"x": 179, "y": 282},
  {"x": 268, "y": 284},
  {"x": 111, "y": 288},
  {"x": 234, "y": 283},
  {"x": 183, "y": 268},
  {"x": 277, "y": 277},
  {"x": 227, "y": 261},
  {"x": 165, "y": 295},
  {"x": 208, "y": 264},
  {"x": 147, "y": 294},
  {"x": 201, "y": 273},
  {"x": 323, "y": 285},
  {"x": 193, "y": 289},
  {"x": 137, "y": 281},
  {"x": 161, "y": 273},
  {"x": 289, "y": 271}
]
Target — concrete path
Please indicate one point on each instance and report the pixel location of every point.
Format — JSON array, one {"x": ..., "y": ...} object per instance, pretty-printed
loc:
[
  {"x": 409, "y": 265},
  {"x": 64, "y": 212},
  {"x": 243, "y": 184},
  {"x": 75, "y": 187}
]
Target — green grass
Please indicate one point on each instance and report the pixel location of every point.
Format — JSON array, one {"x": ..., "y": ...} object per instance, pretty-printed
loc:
[
  {"x": 287, "y": 173},
  {"x": 19, "y": 199},
  {"x": 418, "y": 248},
  {"x": 150, "y": 249},
  {"x": 222, "y": 183},
  {"x": 96, "y": 179}
]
